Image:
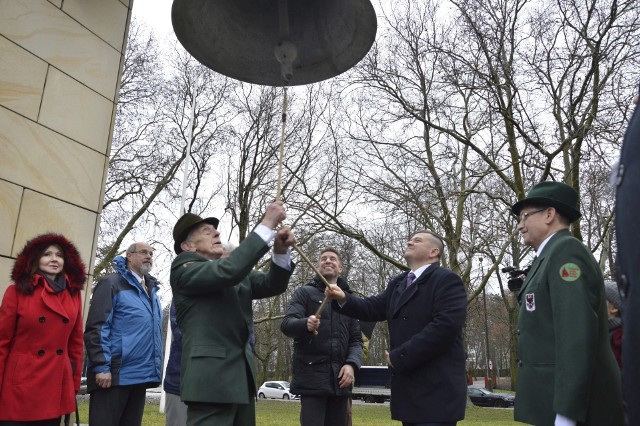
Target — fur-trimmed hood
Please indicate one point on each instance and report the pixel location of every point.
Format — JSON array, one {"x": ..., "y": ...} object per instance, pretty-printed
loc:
[{"x": 73, "y": 266}]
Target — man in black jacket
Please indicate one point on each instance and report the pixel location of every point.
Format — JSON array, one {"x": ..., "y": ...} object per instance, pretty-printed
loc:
[{"x": 325, "y": 353}]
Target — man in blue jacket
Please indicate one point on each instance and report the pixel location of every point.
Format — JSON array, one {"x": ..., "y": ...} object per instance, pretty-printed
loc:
[{"x": 123, "y": 339}]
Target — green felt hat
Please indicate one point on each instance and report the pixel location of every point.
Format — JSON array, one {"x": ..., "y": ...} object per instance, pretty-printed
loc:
[
  {"x": 185, "y": 224},
  {"x": 561, "y": 196}
]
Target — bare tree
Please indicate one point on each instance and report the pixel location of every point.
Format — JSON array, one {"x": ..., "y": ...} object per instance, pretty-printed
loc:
[
  {"x": 461, "y": 107},
  {"x": 150, "y": 142}
]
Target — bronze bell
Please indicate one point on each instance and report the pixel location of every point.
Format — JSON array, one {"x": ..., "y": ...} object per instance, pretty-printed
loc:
[{"x": 276, "y": 42}]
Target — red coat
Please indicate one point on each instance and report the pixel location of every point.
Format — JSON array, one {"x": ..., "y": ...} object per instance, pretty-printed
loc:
[{"x": 41, "y": 337}]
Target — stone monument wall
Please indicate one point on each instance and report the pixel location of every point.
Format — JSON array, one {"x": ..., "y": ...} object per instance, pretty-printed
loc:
[{"x": 60, "y": 65}]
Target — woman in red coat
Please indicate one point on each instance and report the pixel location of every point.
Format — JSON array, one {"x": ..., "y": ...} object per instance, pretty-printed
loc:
[{"x": 41, "y": 333}]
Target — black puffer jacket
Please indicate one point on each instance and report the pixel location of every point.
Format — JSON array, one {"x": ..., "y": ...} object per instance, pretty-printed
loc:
[{"x": 317, "y": 359}]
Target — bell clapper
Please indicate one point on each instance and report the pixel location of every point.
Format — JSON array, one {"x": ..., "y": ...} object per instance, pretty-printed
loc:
[{"x": 285, "y": 51}]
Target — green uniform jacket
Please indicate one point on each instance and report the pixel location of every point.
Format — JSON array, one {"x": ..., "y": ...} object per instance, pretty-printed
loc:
[
  {"x": 566, "y": 365},
  {"x": 213, "y": 310}
]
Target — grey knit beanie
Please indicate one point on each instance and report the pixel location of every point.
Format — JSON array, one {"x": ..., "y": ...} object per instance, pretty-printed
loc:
[{"x": 612, "y": 293}]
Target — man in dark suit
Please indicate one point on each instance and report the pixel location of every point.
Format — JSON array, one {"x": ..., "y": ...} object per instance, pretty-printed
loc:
[
  {"x": 212, "y": 296},
  {"x": 425, "y": 310},
  {"x": 628, "y": 264},
  {"x": 567, "y": 373}
]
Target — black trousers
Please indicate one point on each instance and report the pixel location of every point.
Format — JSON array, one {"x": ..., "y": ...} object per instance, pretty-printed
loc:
[
  {"x": 324, "y": 410},
  {"x": 117, "y": 406}
]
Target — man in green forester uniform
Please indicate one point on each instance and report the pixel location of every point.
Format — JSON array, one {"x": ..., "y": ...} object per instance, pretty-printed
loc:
[
  {"x": 567, "y": 373},
  {"x": 213, "y": 299}
]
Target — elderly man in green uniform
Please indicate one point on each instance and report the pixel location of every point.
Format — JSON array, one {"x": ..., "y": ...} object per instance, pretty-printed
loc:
[
  {"x": 213, "y": 296},
  {"x": 567, "y": 372}
]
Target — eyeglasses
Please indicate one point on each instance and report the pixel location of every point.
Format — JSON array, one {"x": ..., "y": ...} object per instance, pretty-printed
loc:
[
  {"x": 144, "y": 252},
  {"x": 523, "y": 217}
]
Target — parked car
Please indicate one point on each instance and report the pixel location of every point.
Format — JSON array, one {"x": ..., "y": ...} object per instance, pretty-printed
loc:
[
  {"x": 485, "y": 398},
  {"x": 276, "y": 390}
]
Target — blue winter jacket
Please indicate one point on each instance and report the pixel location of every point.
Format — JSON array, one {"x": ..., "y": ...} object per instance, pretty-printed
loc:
[{"x": 123, "y": 334}]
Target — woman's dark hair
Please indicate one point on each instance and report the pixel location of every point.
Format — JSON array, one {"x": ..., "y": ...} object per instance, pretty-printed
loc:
[{"x": 28, "y": 259}]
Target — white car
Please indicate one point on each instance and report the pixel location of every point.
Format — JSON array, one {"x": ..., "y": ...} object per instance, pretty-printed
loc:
[{"x": 276, "y": 390}]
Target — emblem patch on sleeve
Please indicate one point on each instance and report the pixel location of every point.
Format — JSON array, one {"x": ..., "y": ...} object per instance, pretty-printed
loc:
[
  {"x": 530, "y": 301},
  {"x": 570, "y": 272}
]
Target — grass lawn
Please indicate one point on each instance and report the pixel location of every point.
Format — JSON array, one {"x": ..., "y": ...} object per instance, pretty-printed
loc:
[{"x": 286, "y": 413}]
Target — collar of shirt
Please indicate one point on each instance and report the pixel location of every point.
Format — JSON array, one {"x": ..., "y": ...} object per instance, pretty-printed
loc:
[
  {"x": 544, "y": 243},
  {"x": 137, "y": 276},
  {"x": 420, "y": 270}
]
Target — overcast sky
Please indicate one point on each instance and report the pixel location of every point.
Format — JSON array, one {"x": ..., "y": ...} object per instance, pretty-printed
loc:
[{"x": 154, "y": 13}]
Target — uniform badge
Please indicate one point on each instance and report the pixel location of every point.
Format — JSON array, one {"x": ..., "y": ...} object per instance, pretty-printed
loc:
[
  {"x": 530, "y": 302},
  {"x": 570, "y": 272}
]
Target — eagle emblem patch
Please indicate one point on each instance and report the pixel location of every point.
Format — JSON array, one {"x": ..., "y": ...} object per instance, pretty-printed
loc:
[{"x": 530, "y": 302}]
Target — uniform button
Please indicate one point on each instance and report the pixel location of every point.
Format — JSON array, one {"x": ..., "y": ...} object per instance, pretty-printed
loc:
[
  {"x": 620, "y": 174},
  {"x": 405, "y": 319},
  {"x": 65, "y": 320},
  {"x": 59, "y": 351},
  {"x": 519, "y": 363},
  {"x": 42, "y": 319},
  {"x": 518, "y": 332},
  {"x": 41, "y": 352}
]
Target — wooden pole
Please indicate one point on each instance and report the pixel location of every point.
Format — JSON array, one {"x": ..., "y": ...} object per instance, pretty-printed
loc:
[{"x": 285, "y": 103}]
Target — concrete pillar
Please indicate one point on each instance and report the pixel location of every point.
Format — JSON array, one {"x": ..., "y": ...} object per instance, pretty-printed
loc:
[{"x": 60, "y": 65}]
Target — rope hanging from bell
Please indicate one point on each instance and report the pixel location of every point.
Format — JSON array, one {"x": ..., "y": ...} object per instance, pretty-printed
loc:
[{"x": 285, "y": 105}]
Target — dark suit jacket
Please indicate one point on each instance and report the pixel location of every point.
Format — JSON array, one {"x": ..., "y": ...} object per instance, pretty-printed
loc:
[
  {"x": 628, "y": 267},
  {"x": 425, "y": 322},
  {"x": 214, "y": 312},
  {"x": 565, "y": 361}
]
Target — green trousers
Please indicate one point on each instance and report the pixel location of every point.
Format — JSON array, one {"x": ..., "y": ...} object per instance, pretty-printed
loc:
[{"x": 210, "y": 414}]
